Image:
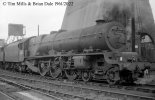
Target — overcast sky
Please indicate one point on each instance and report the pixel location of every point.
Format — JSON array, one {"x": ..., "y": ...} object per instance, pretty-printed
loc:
[{"x": 49, "y": 18}]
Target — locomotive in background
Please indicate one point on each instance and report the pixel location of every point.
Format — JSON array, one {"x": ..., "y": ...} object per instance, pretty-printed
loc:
[{"x": 97, "y": 52}]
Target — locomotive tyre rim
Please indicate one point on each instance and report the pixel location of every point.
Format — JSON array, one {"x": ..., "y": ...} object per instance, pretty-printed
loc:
[
  {"x": 71, "y": 74},
  {"x": 55, "y": 71},
  {"x": 86, "y": 76},
  {"x": 112, "y": 76},
  {"x": 42, "y": 69}
]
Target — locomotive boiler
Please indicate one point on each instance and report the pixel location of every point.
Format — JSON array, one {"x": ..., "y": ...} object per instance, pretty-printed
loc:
[{"x": 108, "y": 36}]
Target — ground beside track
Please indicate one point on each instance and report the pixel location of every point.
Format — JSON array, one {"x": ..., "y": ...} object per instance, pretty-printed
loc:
[
  {"x": 149, "y": 80},
  {"x": 9, "y": 92}
]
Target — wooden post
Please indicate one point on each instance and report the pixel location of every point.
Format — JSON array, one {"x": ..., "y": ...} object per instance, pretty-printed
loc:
[{"x": 38, "y": 29}]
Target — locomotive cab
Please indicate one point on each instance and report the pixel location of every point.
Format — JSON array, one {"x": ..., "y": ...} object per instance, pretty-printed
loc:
[{"x": 21, "y": 51}]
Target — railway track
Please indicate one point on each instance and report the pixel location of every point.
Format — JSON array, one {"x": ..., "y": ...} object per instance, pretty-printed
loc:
[
  {"x": 24, "y": 87},
  {"x": 139, "y": 88},
  {"x": 62, "y": 88},
  {"x": 8, "y": 97},
  {"x": 39, "y": 89}
]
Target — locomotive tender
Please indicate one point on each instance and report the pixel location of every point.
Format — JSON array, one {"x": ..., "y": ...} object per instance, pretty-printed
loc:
[{"x": 97, "y": 52}]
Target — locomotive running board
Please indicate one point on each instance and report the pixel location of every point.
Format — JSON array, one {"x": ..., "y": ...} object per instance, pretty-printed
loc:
[
  {"x": 48, "y": 56},
  {"x": 33, "y": 68}
]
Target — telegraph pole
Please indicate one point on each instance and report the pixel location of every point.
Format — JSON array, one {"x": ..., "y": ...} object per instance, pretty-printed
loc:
[{"x": 38, "y": 29}]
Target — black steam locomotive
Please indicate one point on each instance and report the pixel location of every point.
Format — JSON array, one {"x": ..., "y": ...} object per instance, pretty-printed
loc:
[{"x": 97, "y": 52}]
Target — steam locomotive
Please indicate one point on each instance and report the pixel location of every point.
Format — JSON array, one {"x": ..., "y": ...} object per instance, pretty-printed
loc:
[{"x": 97, "y": 52}]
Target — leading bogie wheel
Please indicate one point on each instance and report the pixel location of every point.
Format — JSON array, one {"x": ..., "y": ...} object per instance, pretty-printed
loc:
[
  {"x": 112, "y": 75},
  {"x": 86, "y": 76},
  {"x": 71, "y": 74}
]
